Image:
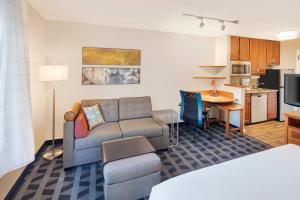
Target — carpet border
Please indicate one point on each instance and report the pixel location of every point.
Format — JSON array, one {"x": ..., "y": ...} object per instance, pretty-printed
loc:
[{"x": 16, "y": 186}]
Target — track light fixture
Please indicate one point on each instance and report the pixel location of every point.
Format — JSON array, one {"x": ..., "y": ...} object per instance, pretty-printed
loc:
[
  {"x": 222, "y": 21},
  {"x": 201, "y": 23},
  {"x": 222, "y": 26}
]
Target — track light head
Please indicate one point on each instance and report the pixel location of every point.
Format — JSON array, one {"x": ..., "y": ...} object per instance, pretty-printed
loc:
[
  {"x": 201, "y": 23},
  {"x": 223, "y": 26}
]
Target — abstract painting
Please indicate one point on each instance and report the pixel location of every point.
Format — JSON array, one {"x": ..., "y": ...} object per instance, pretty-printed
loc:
[
  {"x": 111, "y": 56},
  {"x": 114, "y": 76},
  {"x": 110, "y": 76},
  {"x": 93, "y": 76}
]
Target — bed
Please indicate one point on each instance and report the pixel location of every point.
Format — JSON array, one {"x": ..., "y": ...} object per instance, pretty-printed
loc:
[{"x": 272, "y": 174}]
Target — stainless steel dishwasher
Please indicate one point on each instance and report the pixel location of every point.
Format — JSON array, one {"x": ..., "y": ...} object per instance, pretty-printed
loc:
[{"x": 259, "y": 107}]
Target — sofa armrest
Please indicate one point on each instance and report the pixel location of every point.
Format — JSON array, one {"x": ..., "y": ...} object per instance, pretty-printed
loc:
[
  {"x": 68, "y": 144},
  {"x": 165, "y": 131}
]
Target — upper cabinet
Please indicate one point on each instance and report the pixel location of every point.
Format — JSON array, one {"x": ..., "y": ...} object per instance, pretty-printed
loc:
[
  {"x": 261, "y": 53},
  {"x": 262, "y": 57},
  {"x": 239, "y": 48},
  {"x": 273, "y": 52},
  {"x": 244, "y": 49},
  {"x": 254, "y": 55},
  {"x": 235, "y": 48},
  {"x": 258, "y": 53}
]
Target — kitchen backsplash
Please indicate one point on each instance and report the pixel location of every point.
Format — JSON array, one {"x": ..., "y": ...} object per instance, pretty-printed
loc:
[{"x": 245, "y": 81}]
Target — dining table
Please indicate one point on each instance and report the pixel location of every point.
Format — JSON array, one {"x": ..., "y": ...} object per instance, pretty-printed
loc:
[
  {"x": 224, "y": 101},
  {"x": 223, "y": 97}
]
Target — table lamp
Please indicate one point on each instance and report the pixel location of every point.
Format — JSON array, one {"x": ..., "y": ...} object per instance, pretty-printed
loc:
[
  {"x": 53, "y": 73},
  {"x": 214, "y": 92}
]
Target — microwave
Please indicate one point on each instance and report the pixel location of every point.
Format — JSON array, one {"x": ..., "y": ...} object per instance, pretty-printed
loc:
[{"x": 240, "y": 68}]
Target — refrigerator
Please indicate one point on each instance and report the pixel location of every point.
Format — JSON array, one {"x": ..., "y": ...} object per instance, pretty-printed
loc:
[{"x": 274, "y": 79}]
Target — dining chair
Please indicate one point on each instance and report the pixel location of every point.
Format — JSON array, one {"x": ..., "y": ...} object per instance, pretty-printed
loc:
[{"x": 192, "y": 109}]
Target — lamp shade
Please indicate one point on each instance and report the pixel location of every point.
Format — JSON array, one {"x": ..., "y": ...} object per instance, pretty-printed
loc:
[{"x": 53, "y": 73}]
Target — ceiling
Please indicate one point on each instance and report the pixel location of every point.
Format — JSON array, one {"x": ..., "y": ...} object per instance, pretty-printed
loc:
[{"x": 258, "y": 18}]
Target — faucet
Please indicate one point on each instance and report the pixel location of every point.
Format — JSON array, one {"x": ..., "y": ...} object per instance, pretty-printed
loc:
[
  {"x": 255, "y": 85},
  {"x": 259, "y": 84}
]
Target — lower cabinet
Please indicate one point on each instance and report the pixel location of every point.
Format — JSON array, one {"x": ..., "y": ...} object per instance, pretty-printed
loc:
[
  {"x": 247, "y": 110},
  {"x": 272, "y": 105}
]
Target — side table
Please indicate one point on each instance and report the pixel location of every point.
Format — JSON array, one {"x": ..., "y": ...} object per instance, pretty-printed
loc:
[{"x": 169, "y": 116}]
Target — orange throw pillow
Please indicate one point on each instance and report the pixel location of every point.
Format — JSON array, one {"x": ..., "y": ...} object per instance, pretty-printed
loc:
[{"x": 81, "y": 125}]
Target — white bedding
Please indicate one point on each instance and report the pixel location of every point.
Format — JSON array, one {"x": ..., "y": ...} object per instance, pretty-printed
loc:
[{"x": 272, "y": 174}]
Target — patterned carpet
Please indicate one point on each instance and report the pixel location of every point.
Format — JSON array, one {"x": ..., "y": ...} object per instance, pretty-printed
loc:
[{"x": 48, "y": 180}]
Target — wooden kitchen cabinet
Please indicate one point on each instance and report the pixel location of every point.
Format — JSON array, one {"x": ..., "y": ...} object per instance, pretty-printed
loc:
[
  {"x": 272, "y": 105},
  {"x": 247, "y": 109},
  {"x": 273, "y": 52},
  {"x": 235, "y": 47},
  {"x": 254, "y": 54},
  {"x": 262, "y": 57},
  {"x": 269, "y": 52},
  {"x": 261, "y": 53},
  {"x": 276, "y": 52},
  {"x": 240, "y": 48},
  {"x": 258, "y": 53},
  {"x": 244, "y": 49}
]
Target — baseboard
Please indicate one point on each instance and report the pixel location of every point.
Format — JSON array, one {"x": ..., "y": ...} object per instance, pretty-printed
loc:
[{"x": 13, "y": 191}]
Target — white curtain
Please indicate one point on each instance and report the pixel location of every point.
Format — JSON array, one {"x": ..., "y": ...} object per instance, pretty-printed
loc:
[{"x": 16, "y": 132}]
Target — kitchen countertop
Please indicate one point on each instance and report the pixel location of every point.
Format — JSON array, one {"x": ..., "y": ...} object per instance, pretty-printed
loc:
[
  {"x": 252, "y": 91},
  {"x": 259, "y": 90},
  {"x": 235, "y": 85}
]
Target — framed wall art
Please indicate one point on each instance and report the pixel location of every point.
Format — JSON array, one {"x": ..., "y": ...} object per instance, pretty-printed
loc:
[
  {"x": 110, "y": 76},
  {"x": 93, "y": 76},
  {"x": 111, "y": 56}
]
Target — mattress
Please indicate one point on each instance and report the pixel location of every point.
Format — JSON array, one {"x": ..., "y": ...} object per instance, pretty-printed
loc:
[{"x": 272, "y": 174}]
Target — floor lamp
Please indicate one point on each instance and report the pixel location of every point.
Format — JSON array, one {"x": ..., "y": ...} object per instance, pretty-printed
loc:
[{"x": 53, "y": 73}]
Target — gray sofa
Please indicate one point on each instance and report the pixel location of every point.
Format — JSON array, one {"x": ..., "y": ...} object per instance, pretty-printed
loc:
[{"x": 125, "y": 117}]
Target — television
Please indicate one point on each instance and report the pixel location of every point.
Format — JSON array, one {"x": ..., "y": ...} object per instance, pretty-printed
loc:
[{"x": 292, "y": 89}]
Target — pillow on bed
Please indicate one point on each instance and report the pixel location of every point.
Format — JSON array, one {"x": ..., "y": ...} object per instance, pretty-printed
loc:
[{"x": 93, "y": 116}]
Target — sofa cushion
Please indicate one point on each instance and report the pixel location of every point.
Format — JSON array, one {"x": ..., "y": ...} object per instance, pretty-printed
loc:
[
  {"x": 135, "y": 107},
  {"x": 130, "y": 168},
  {"x": 81, "y": 125},
  {"x": 109, "y": 108},
  {"x": 140, "y": 127},
  {"x": 98, "y": 135}
]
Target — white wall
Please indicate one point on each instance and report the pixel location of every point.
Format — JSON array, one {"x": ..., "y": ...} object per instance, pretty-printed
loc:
[
  {"x": 37, "y": 49},
  {"x": 288, "y": 53},
  {"x": 222, "y": 57},
  {"x": 36, "y": 38},
  {"x": 169, "y": 61}
]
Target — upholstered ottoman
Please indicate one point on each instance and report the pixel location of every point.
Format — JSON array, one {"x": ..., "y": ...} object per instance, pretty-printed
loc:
[{"x": 131, "y": 178}]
